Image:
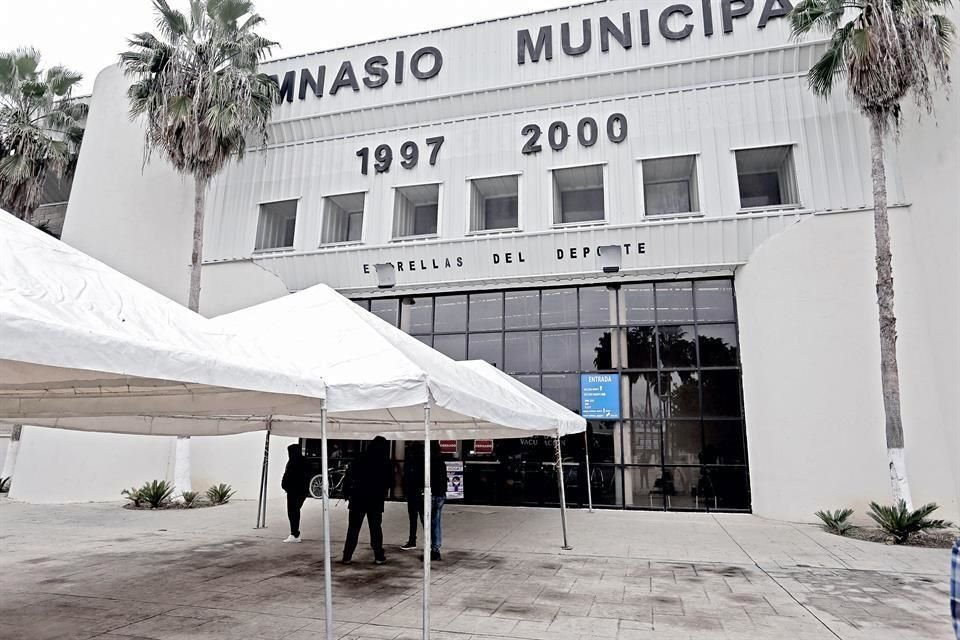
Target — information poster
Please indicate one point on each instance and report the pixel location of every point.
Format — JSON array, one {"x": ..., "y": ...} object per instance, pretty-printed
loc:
[
  {"x": 600, "y": 396},
  {"x": 455, "y": 480}
]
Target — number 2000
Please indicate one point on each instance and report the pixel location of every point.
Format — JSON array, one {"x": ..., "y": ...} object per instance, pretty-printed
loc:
[{"x": 587, "y": 133}]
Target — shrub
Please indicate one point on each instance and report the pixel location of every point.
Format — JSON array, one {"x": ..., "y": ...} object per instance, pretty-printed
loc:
[
  {"x": 190, "y": 497},
  {"x": 5, "y": 484},
  {"x": 220, "y": 493},
  {"x": 837, "y": 522},
  {"x": 156, "y": 492},
  {"x": 133, "y": 495},
  {"x": 900, "y": 523}
]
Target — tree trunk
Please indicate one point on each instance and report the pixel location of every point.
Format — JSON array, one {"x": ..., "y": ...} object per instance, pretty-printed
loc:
[
  {"x": 10, "y": 461},
  {"x": 889, "y": 373},
  {"x": 181, "y": 461}
]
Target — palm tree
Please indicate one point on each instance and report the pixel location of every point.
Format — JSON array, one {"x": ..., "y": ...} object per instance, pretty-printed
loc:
[
  {"x": 199, "y": 90},
  {"x": 885, "y": 49},
  {"x": 41, "y": 127}
]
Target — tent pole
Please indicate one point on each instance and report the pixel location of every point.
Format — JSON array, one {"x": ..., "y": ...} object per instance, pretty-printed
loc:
[
  {"x": 261, "y": 500},
  {"x": 563, "y": 494},
  {"x": 586, "y": 449},
  {"x": 327, "y": 581},
  {"x": 427, "y": 524}
]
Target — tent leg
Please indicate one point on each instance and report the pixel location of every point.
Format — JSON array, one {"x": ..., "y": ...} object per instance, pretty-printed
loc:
[
  {"x": 427, "y": 521},
  {"x": 327, "y": 581},
  {"x": 262, "y": 504},
  {"x": 586, "y": 449},
  {"x": 563, "y": 495}
]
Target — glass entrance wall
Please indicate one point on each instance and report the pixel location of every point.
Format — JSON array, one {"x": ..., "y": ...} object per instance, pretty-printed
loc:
[{"x": 681, "y": 443}]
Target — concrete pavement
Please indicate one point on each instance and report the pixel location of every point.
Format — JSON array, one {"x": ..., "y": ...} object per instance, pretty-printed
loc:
[{"x": 74, "y": 572}]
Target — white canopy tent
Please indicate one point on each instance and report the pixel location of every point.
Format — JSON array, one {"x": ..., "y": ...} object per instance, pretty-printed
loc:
[
  {"x": 85, "y": 347},
  {"x": 381, "y": 381}
]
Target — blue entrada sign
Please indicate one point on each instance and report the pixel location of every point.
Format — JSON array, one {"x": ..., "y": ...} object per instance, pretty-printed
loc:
[{"x": 600, "y": 396}]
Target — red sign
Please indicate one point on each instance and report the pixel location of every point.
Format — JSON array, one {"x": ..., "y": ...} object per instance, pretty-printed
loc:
[
  {"x": 448, "y": 446},
  {"x": 484, "y": 447}
]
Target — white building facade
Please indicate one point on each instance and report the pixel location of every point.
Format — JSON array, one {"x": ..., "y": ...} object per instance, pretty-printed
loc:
[{"x": 488, "y": 164}]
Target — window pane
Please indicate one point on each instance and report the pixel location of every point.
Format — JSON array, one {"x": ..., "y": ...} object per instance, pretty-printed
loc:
[
  {"x": 645, "y": 487},
  {"x": 681, "y": 394},
  {"x": 678, "y": 347},
  {"x": 417, "y": 317},
  {"x": 641, "y": 348},
  {"x": 595, "y": 307},
  {"x": 486, "y": 346},
  {"x": 718, "y": 345},
  {"x": 276, "y": 224},
  {"x": 563, "y": 389},
  {"x": 493, "y": 203},
  {"x": 427, "y": 340},
  {"x": 500, "y": 213},
  {"x": 643, "y": 442},
  {"x": 486, "y": 311},
  {"x": 425, "y": 220},
  {"x": 714, "y": 300},
  {"x": 355, "y": 226},
  {"x": 730, "y": 487},
  {"x": 766, "y": 177},
  {"x": 596, "y": 349},
  {"x": 522, "y": 352},
  {"x": 531, "y": 381},
  {"x": 606, "y": 483},
  {"x": 451, "y": 314},
  {"x": 453, "y": 346},
  {"x": 721, "y": 393},
  {"x": 559, "y": 307},
  {"x": 674, "y": 302},
  {"x": 386, "y": 310},
  {"x": 644, "y": 399},
  {"x": 522, "y": 309},
  {"x": 638, "y": 302},
  {"x": 601, "y": 436},
  {"x": 685, "y": 482},
  {"x": 561, "y": 350},
  {"x": 670, "y": 185},
  {"x": 682, "y": 442},
  {"x": 578, "y": 194},
  {"x": 724, "y": 442},
  {"x": 363, "y": 304}
]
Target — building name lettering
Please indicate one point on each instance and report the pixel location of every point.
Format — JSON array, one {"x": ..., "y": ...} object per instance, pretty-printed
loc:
[
  {"x": 675, "y": 22},
  {"x": 423, "y": 64}
]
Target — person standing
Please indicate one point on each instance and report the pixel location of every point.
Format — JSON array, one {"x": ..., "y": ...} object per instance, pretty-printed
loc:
[
  {"x": 296, "y": 482},
  {"x": 413, "y": 490},
  {"x": 438, "y": 493},
  {"x": 366, "y": 484}
]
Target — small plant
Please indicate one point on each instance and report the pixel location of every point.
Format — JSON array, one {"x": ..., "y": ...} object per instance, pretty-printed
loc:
[
  {"x": 900, "y": 523},
  {"x": 156, "y": 493},
  {"x": 5, "y": 484},
  {"x": 189, "y": 498},
  {"x": 837, "y": 522},
  {"x": 133, "y": 495},
  {"x": 220, "y": 493}
]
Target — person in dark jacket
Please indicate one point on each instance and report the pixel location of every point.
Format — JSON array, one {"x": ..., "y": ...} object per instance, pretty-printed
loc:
[
  {"x": 438, "y": 493},
  {"x": 296, "y": 482},
  {"x": 366, "y": 484},
  {"x": 413, "y": 490}
]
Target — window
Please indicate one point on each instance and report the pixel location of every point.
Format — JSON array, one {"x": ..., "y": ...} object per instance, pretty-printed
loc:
[
  {"x": 415, "y": 211},
  {"x": 767, "y": 177},
  {"x": 342, "y": 218},
  {"x": 670, "y": 186},
  {"x": 493, "y": 203},
  {"x": 276, "y": 225},
  {"x": 578, "y": 194}
]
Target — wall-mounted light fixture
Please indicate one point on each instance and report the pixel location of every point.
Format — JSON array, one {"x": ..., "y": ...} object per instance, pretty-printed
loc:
[
  {"x": 609, "y": 258},
  {"x": 386, "y": 275}
]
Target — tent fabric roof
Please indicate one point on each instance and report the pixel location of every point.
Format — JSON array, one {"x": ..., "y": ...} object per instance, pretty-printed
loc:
[
  {"x": 378, "y": 377},
  {"x": 79, "y": 341}
]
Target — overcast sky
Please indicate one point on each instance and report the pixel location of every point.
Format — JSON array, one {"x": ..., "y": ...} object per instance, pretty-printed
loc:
[{"x": 87, "y": 35}]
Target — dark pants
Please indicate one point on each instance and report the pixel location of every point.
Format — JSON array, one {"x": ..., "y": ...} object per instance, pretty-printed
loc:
[
  {"x": 374, "y": 522},
  {"x": 293, "y": 513},
  {"x": 414, "y": 511}
]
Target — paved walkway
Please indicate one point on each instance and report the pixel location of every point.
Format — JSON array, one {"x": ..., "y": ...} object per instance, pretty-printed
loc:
[{"x": 74, "y": 572}]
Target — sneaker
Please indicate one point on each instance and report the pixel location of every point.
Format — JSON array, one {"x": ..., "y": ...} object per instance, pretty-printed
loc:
[
  {"x": 292, "y": 538},
  {"x": 435, "y": 555},
  {"x": 346, "y": 561},
  {"x": 408, "y": 545},
  {"x": 380, "y": 560}
]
